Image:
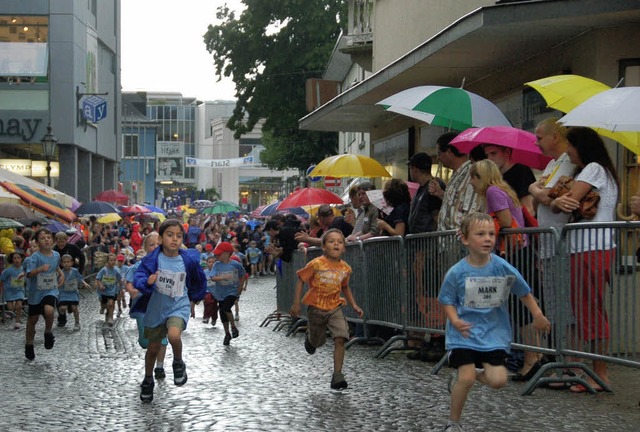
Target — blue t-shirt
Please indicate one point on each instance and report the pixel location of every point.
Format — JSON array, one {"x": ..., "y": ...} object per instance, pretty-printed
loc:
[
  {"x": 480, "y": 296},
  {"x": 69, "y": 290},
  {"x": 254, "y": 255},
  {"x": 208, "y": 272},
  {"x": 226, "y": 288},
  {"x": 13, "y": 287},
  {"x": 167, "y": 299},
  {"x": 110, "y": 278},
  {"x": 45, "y": 283},
  {"x": 128, "y": 277}
]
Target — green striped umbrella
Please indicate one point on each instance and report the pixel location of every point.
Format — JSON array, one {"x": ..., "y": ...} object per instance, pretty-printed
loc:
[{"x": 453, "y": 108}]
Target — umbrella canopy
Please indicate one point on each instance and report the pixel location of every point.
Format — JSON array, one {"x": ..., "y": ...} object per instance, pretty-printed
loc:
[
  {"x": 28, "y": 221},
  {"x": 17, "y": 211},
  {"x": 273, "y": 208},
  {"x": 155, "y": 209},
  {"x": 220, "y": 207},
  {"x": 522, "y": 143},
  {"x": 309, "y": 197},
  {"x": 55, "y": 226},
  {"x": 114, "y": 196},
  {"x": 201, "y": 203},
  {"x": 151, "y": 217},
  {"x": 109, "y": 218},
  {"x": 349, "y": 165},
  {"x": 186, "y": 208},
  {"x": 95, "y": 208},
  {"x": 40, "y": 200},
  {"x": 6, "y": 223},
  {"x": 614, "y": 110},
  {"x": 565, "y": 92},
  {"x": 450, "y": 107},
  {"x": 256, "y": 212},
  {"x": 135, "y": 209}
]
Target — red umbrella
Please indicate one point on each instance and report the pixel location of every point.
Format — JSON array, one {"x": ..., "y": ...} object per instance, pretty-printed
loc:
[
  {"x": 309, "y": 197},
  {"x": 136, "y": 208},
  {"x": 112, "y": 195},
  {"x": 522, "y": 143}
]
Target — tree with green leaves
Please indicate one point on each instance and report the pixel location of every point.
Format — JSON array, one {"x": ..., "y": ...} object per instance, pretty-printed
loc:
[{"x": 269, "y": 51}]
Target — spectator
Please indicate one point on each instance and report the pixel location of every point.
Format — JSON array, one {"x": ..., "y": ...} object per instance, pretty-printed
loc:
[
  {"x": 366, "y": 225},
  {"x": 63, "y": 247},
  {"x": 396, "y": 194},
  {"x": 327, "y": 220},
  {"x": 592, "y": 250}
]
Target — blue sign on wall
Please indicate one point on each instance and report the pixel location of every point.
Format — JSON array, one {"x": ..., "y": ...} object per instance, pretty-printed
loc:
[
  {"x": 312, "y": 179},
  {"x": 94, "y": 108}
]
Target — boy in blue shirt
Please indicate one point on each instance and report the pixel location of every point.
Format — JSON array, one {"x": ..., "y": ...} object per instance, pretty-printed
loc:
[
  {"x": 69, "y": 294},
  {"x": 228, "y": 275},
  {"x": 12, "y": 286},
  {"x": 474, "y": 296},
  {"x": 108, "y": 283},
  {"x": 254, "y": 255}
]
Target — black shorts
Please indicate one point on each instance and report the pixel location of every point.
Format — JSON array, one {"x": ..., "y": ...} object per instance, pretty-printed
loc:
[
  {"x": 68, "y": 303},
  {"x": 38, "y": 309},
  {"x": 105, "y": 299},
  {"x": 460, "y": 357}
]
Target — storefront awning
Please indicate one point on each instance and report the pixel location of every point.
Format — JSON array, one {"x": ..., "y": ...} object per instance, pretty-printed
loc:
[{"x": 481, "y": 44}]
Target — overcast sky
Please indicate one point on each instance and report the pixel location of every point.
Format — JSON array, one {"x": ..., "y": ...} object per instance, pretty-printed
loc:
[{"x": 163, "y": 49}]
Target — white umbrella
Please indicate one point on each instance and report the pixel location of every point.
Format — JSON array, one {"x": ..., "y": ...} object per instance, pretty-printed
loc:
[{"x": 617, "y": 109}]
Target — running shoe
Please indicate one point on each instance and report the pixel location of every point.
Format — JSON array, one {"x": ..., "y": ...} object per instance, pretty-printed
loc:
[
  {"x": 338, "y": 382},
  {"x": 76, "y": 327},
  {"x": 205, "y": 320},
  {"x": 159, "y": 373},
  {"x": 146, "y": 390},
  {"x": 179, "y": 373},
  {"x": 452, "y": 382},
  {"x": 227, "y": 339},
  {"x": 307, "y": 346},
  {"x": 29, "y": 353},
  {"x": 234, "y": 332},
  {"x": 454, "y": 427},
  {"x": 49, "y": 340}
]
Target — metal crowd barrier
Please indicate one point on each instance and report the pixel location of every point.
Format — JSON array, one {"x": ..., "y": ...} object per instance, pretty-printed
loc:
[{"x": 396, "y": 282}]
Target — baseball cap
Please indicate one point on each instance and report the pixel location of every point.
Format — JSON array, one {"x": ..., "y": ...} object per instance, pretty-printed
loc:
[
  {"x": 421, "y": 161},
  {"x": 208, "y": 247},
  {"x": 120, "y": 257},
  {"x": 222, "y": 248}
]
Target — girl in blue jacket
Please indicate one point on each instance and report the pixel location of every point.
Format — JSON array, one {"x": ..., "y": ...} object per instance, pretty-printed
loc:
[{"x": 168, "y": 279}]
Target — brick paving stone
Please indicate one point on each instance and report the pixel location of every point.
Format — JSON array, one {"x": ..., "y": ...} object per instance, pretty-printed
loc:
[{"x": 265, "y": 381}]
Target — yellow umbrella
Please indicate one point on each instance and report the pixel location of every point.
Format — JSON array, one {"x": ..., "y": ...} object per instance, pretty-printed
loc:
[
  {"x": 349, "y": 165},
  {"x": 565, "y": 92},
  {"x": 109, "y": 218},
  {"x": 185, "y": 208}
]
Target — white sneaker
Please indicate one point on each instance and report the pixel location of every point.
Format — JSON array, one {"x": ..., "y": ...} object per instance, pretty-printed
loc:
[
  {"x": 455, "y": 427},
  {"x": 76, "y": 327},
  {"x": 237, "y": 318},
  {"x": 205, "y": 320},
  {"x": 452, "y": 381}
]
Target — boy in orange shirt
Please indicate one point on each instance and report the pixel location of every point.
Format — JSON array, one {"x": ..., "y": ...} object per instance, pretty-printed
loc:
[{"x": 327, "y": 277}]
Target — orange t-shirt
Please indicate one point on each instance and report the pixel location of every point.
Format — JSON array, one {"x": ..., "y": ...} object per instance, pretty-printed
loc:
[{"x": 325, "y": 278}]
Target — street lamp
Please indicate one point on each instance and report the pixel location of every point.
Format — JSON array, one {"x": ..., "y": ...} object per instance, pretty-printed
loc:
[{"x": 49, "y": 142}]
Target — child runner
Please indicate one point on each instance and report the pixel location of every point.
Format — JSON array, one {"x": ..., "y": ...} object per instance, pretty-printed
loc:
[
  {"x": 122, "y": 269},
  {"x": 254, "y": 255},
  {"x": 474, "y": 296},
  {"x": 210, "y": 302},
  {"x": 244, "y": 281},
  {"x": 229, "y": 275},
  {"x": 44, "y": 277},
  {"x": 12, "y": 286},
  {"x": 108, "y": 282},
  {"x": 149, "y": 243},
  {"x": 168, "y": 278},
  {"x": 327, "y": 277},
  {"x": 69, "y": 295}
]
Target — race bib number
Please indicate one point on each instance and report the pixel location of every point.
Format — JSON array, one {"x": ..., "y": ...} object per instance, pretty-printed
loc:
[
  {"x": 109, "y": 280},
  {"x": 17, "y": 283},
  {"x": 170, "y": 283},
  {"x": 487, "y": 292},
  {"x": 47, "y": 281},
  {"x": 71, "y": 285}
]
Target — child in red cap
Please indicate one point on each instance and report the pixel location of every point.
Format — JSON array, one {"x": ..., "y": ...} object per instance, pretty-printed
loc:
[{"x": 228, "y": 275}]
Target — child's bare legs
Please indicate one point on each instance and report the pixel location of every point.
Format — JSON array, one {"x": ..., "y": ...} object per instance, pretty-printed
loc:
[
  {"x": 32, "y": 320},
  {"x": 237, "y": 307},
  {"x": 150, "y": 357},
  {"x": 76, "y": 313},
  {"x": 48, "y": 319},
  {"x": 120, "y": 302},
  {"x": 110, "y": 308},
  {"x": 493, "y": 376},
  {"x": 162, "y": 352},
  {"x": 338, "y": 354},
  {"x": 253, "y": 270},
  {"x": 16, "y": 308},
  {"x": 174, "y": 335}
]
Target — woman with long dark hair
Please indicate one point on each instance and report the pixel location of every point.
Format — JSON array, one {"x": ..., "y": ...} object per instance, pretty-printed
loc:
[{"x": 592, "y": 250}]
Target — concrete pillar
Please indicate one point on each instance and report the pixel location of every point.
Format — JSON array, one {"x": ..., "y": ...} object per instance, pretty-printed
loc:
[
  {"x": 83, "y": 177},
  {"x": 97, "y": 175},
  {"x": 68, "y": 159}
]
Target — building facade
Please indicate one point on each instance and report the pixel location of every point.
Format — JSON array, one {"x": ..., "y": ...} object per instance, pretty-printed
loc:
[{"x": 60, "y": 65}]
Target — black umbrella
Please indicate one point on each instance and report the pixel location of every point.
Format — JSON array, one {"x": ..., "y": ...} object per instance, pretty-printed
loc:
[{"x": 95, "y": 208}]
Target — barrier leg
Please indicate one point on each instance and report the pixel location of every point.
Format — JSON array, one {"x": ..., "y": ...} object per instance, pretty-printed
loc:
[{"x": 438, "y": 366}]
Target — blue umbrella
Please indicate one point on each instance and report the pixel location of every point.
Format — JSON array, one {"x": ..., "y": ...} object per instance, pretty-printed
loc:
[
  {"x": 254, "y": 223},
  {"x": 155, "y": 209},
  {"x": 54, "y": 226}
]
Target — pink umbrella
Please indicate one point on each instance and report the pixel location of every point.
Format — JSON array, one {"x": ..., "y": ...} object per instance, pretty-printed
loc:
[
  {"x": 136, "y": 208},
  {"x": 522, "y": 143},
  {"x": 309, "y": 197}
]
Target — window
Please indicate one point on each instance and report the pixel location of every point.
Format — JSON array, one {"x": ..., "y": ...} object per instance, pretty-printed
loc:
[
  {"x": 23, "y": 48},
  {"x": 131, "y": 146}
]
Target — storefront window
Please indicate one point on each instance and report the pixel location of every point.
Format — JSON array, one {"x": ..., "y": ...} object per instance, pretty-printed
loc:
[{"x": 23, "y": 48}]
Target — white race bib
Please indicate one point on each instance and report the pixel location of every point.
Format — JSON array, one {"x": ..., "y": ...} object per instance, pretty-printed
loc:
[
  {"x": 47, "y": 281},
  {"x": 71, "y": 285},
  {"x": 487, "y": 291},
  {"x": 171, "y": 283}
]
